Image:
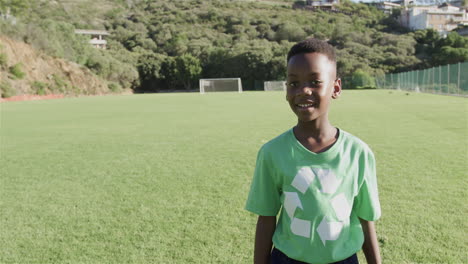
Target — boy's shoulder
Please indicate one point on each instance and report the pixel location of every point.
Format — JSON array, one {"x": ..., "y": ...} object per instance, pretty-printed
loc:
[
  {"x": 355, "y": 143},
  {"x": 280, "y": 141}
]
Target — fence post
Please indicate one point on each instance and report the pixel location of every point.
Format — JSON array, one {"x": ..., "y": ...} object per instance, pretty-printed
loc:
[
  {"x": 401, "y": 81},
  {"x": 398, "y": 76},
  {"x": 411, "y": 77},
  {"x": 405, "y": 76},
  {"x": 417, "y": 81},
  {"x": 384, "y": 81},
  {"x": 440, "y": 78},
  {"x": 424, "y": 79},
  {"x": 458, "y": 83},
  {"x": 433, "y": 80},
  {"x": 448, "y": 78},
  {"x": 408, "y": 80},
  {"x": 412, "y": 80},
  {"x": 391, "y": 80}
]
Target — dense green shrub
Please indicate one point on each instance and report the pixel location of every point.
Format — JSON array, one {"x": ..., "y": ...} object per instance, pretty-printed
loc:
[
  {"x": 3, "y": 60},
  {"x": 39, "y": 88},
  {"x": 112, "y": 69},
  {"x": 59, "y": 85},
  {"x": 16, "y": 71},
  {"x": 149, "y": 70},
  {"x": 291, "y": 32},
  {"x": 188, "y": 70},
  {"x": 6, "y": 89},
  {"x": 362, "y": 80},
  {"x": 114, "y": 87}
]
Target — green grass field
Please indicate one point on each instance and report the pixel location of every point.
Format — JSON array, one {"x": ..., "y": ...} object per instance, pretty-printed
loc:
[{"x": 163, "y": 178}]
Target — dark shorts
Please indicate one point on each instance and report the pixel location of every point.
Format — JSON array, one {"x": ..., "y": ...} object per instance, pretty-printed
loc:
[{"x": 278, "y": 257}]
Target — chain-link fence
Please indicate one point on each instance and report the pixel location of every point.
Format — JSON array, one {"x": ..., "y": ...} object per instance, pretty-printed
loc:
[{"x": 450, "y": 79}]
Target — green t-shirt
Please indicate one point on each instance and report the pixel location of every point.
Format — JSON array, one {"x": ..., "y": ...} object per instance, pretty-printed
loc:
[{"x": 321, "y": 196}]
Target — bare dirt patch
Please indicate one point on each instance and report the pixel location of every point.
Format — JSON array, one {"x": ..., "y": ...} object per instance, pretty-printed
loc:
[{"x": 56, "y": 75}]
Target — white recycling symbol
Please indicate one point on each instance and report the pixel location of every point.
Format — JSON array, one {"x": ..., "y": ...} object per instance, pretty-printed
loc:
[{"x": 327, "y": 230}]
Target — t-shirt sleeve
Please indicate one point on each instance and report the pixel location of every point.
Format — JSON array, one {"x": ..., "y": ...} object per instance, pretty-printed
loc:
[
  {"x": 264, "y": 195},
  {"x": 366, "y": 203}
]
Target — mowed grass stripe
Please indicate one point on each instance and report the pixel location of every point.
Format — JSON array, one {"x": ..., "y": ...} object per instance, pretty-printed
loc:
[{"x": 163, "y": 178}]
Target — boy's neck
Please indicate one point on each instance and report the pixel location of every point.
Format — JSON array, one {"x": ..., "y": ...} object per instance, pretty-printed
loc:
[
  {"x": 319, "y": 131},
  {"x": 316, "y": 136}
]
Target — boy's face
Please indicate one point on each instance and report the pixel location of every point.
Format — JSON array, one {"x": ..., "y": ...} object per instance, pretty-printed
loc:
[{"x": 311, "y": 84}]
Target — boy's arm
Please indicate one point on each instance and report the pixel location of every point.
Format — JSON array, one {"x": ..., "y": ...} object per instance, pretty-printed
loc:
[
  {"x": 266, "y": 226},
  {"x": 371, "y": 245}
]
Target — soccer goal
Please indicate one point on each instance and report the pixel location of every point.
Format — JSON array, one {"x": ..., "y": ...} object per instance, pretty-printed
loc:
[
  {"x": 274, "y": 86},
  {"x": 221, "y": 85}
]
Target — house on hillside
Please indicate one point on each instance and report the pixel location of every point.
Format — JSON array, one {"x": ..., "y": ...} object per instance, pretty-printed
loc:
[
  {"x": 327, "y": 5},
  {"x": 322, "y": 4},
  {"x": 97, "y": 37},
  {"x": 404, "y": 2},
  {"x": 442, "y": 18},
  {"x": 385, "y": 6}
]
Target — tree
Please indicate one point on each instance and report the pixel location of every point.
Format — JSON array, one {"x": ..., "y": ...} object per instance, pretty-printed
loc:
[
  {"x": 290, "y": 31},
  {"x": 361, "y": 79},
  {"x": 149, "y": 69},
  {"x": 181, "y": 71},
  {"x": 14, "y": 7},
  {"x": 452, "y": 49},
  {"x": 188, "y": 70},
  {"x": 450, "y": 55}
]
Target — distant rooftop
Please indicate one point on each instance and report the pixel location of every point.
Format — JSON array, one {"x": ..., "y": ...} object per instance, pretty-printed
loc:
[
  {"x": 91, "y": 32},
  {"x": 416, "y": 2}
]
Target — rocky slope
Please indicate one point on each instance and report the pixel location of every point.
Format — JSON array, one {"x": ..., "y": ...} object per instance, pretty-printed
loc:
[{"x": 24, "y": 70}]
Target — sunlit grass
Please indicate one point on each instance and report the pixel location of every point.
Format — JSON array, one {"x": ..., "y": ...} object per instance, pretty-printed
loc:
[{"x": 163, "y": 178}]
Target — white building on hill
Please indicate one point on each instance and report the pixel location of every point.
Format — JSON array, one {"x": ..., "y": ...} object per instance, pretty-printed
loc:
[
  {"x": 386, "y": 6},
  {"x": 97, "y": 37},
  {"x": 443, "y": 18}
]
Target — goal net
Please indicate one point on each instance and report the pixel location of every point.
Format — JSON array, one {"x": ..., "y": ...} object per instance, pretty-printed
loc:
[
  {"x": 274, "y": 86},
  {"x": 221, "y": 85}
]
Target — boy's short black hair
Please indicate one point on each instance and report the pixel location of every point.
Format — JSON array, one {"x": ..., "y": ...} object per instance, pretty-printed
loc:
[{"x": 312, "y": 45}]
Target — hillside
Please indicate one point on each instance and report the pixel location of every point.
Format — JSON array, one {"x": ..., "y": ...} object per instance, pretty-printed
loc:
[
  {"x": 38, "y": 73},
  {"x": 169, "y": 45}
]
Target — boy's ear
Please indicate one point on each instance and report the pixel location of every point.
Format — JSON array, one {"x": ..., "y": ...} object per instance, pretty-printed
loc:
[{"x": 336, "y": 88}]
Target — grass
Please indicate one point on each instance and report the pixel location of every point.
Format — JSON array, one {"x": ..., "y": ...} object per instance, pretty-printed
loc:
[{"x": 163, "y": 178}]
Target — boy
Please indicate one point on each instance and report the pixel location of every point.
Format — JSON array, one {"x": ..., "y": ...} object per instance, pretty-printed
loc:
[{"x": 321, "y": 177}]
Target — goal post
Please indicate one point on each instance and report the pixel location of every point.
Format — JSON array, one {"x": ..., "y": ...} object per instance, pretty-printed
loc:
[
  {"x": 221, "y": 85},
  {"x": 274, "y": 86}
]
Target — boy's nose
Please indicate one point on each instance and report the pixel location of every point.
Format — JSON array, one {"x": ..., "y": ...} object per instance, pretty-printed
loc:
[{"x": 306, "y": 89}]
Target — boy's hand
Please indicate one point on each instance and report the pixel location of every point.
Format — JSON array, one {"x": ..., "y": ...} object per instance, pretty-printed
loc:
[
  {"x": 266, "y": 226},
  {"x": 371, "y": 245}
]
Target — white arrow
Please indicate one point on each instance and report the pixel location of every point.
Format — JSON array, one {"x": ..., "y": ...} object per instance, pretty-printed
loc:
[
  {"x": 327, "y": 179},
  {"x": 291, "y": 202},
  {"x": 329, "y": 230},
  {"x": 300, "y": 227},
  {"x": 303, "y": 179},
  {"x": 341, "y": 207}
]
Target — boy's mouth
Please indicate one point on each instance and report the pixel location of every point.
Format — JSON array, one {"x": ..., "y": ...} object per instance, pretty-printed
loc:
[{"x": 305, "y": 105}]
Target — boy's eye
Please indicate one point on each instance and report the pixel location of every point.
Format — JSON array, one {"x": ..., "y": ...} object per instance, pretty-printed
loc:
[
  {"x": 313, "y": 83},
  {"x": 292, "y": 84}
]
